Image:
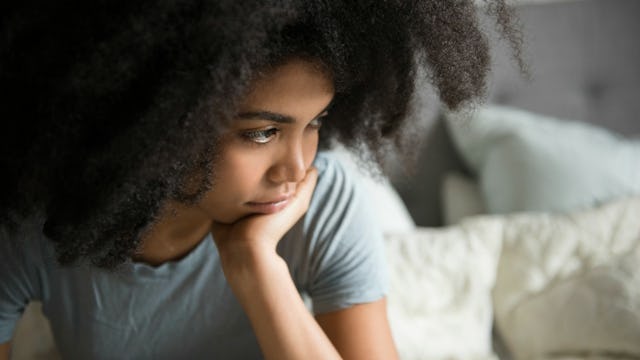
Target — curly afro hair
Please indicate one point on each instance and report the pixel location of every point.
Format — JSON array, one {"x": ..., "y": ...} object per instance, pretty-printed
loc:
[{"x": 109, "y": 106}]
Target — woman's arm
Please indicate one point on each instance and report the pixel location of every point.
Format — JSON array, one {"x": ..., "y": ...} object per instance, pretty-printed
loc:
[
  {"x": 283, "y": 325},
  {"x": 261, "y": 282},
  {"x": 361, "y": 331}
]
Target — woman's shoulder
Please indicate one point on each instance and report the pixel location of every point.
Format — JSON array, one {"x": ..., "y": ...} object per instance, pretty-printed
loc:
[
  {"x": 342, "y": 175},
  {"x": 338, "y": 200},
  {"x": 25, "y": 258},
  {"x": 347, "y": 180},
  {"x": 336, "y": 182},
  {"x": 328, "y": 164},
  {"x": 27, "y": 241}
]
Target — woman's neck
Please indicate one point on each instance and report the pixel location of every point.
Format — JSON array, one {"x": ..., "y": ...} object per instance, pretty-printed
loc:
[{"x": 178, "y": 231}]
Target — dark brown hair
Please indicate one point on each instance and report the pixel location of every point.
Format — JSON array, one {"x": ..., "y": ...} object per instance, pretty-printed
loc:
[{"x": 108, "y": 106}]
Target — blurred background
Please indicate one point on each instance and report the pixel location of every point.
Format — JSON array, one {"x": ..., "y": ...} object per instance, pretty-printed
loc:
[
  {"x": 518, "y": 230},
  {"x": 584, "y": 60}
]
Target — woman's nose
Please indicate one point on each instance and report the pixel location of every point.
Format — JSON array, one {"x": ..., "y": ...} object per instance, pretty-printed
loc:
[{"x": 290, "y": 166}]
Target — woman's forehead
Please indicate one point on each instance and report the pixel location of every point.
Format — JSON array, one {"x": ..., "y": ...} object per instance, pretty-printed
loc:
[{"x": 296, "y": 83}]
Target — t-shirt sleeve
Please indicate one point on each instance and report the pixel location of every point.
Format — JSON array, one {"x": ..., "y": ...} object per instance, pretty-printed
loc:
[
  {"x": 19, "y": 281},
  {"x": 346, "y": 263}
]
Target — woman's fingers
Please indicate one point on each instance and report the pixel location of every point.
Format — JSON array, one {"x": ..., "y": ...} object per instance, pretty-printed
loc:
[
  {"x": 302, "y": 198},
  {"x": 272, "y": 227}
]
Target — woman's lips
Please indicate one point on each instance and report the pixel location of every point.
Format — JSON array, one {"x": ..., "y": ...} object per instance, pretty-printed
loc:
[{"x": 269, "y": 207}]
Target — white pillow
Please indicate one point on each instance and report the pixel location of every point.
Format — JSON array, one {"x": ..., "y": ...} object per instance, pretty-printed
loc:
[
  {"x": 390, "y": 212},
  {"x": 461, "y": 198},
  {"x": 530, "y": 162},
  {"x": 439, "y": 300},
  {"x": 569, "y": 285}
]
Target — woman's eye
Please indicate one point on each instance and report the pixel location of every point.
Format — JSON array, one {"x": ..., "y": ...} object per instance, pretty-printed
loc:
[{"x": 260, "y": 136}]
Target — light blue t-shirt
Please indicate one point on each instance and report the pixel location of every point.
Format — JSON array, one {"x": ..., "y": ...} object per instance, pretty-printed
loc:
[{"x": 185, "y": 309}]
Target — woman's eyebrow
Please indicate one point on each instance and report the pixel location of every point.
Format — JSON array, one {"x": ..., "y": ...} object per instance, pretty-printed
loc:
[
  {"x": 266, "y": 115},
  {"x": 275, "y": 117}
]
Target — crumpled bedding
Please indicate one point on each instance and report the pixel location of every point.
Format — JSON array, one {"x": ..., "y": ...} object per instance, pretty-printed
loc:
[
  {"x": 569, "y": 285},
  {"x": 439, "y": 300},
  {"x": 566, "y": 285}
]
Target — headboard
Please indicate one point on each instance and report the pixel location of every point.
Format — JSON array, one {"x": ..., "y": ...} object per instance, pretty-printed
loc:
[{"x": 584, "y": 58}]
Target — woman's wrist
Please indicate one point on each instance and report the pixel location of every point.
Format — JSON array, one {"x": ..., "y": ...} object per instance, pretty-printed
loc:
[{"x": 243, "y": 263}]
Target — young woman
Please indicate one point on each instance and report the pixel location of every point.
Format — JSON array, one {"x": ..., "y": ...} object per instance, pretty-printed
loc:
[{"x": 164, "y": 196}]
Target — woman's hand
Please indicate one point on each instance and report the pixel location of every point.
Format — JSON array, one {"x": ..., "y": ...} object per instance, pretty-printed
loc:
[{"x": 258, "y": 235}]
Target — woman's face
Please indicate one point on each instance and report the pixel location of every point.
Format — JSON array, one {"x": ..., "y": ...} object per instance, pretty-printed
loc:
[{"x": 270, "y": 144}]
